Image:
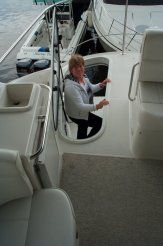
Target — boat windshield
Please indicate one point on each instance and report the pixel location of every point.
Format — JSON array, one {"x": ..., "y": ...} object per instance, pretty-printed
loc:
[{"x": 134, "y": 2}]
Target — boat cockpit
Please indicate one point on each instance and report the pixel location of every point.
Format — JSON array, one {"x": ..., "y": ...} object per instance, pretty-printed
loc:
[{"x": 36, "y": 131}]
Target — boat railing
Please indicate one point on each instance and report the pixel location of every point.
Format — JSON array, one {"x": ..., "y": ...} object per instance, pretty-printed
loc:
[
  {"x": 55, "y": 76},
  {"x": 56, "y": 71},
  {"x": 55, "y": 61},
  {"x": 24, "y": 33},
  {"x": 131, "y": 97},
  {"x": 55, "y": 79},
  {"x": 115, "y": 28},
  {"x": 45, "y": 127},
  {"x": 43, "y": 13}
]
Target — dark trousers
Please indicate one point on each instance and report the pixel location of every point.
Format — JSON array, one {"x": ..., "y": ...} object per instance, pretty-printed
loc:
[{"x": 93, "y": 121}]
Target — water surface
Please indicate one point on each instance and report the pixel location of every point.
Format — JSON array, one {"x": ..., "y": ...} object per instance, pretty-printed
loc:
[{"x": 15, "y": 17}]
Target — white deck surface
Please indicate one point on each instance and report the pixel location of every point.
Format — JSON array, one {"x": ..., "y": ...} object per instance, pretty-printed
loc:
[{"x": 115, "y": 140}]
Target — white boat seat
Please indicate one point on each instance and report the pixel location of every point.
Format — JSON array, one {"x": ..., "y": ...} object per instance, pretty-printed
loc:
[
  {"x": 14, "y": 182},
  {"x": 151, "y": 92},
  {"x": 151, "y": 80},
  {"x": 31, "y": 218},
  {"x": 147, "y": 108},
  {"x": 151, "y": 105},
  {"x": 151, "y": 59}
]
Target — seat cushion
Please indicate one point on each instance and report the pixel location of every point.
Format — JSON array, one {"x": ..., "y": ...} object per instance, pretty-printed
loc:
[
  {"x": 14, "y": 182},
  {"x": 46, "y": 218},
  {"x": 151, "y": 92},
  {"x": 151, "y": 58},
  {"x": 14, "y": 217},
  {"x": 151, "y": 105}
]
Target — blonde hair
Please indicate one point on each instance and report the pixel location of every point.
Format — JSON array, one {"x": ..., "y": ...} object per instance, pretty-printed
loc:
[{"x": 75, "y": 60}]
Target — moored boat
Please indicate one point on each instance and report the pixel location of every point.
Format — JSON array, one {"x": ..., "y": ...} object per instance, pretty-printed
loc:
[
  {"x": 35, "y": 54},
  {"x": 110, "y": 21},
  {"x": 114, "y": 178}
]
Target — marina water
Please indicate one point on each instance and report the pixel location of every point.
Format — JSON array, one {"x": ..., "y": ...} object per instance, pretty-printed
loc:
[{"x": 15, "y": 17}]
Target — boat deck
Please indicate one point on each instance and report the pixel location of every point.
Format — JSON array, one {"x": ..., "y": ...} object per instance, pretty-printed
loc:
[
  {"x": 115, "y": 140},
  {"x": 117, "y": 201}
]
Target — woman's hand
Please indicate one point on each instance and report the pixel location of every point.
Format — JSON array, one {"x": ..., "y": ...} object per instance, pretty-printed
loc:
[
  {"x": 102, "y": 103},
  {"x": 104, "y": 83}
]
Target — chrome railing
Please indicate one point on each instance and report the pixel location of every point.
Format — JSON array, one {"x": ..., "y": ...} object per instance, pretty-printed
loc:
[
  {"x": 45, "y": 127},
  {"x": 55, "y": 71},
  {"x": 131, "y": 83},
  {"x": 116, "y": 28},
  {"x": 55, "y": 51}
]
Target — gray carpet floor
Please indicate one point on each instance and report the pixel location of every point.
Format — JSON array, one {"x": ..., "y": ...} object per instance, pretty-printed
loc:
[{"x": 117, "y": 201}]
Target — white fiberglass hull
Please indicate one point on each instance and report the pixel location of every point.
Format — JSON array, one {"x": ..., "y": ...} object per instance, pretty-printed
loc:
[{"x": 108, "y": 20}]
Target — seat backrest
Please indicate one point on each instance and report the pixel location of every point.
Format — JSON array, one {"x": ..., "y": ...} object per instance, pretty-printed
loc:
[
  {"x": 14, "y": 182},
  {"x": 151, "y": 58}
]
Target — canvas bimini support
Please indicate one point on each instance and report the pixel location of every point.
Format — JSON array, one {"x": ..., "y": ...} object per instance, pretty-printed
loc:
[{"x": 124, "y": 32}]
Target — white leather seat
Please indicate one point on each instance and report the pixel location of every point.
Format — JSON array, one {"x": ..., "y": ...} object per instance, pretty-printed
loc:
[
  {"x": 151, "y": 81},
  {"x": 31, "y": 218},
  {"x": 46, "y": 218},
  {"x": 147, "y": 109},
  {"x": 151, "y": 105}
]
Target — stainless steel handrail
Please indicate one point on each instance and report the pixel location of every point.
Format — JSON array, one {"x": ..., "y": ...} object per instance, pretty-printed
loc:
[
  {"x": 53, "y": 72},
  {"x": 44, "y": 132},
  {"x": 42, "y": 143},
  {"x": 131, "y": 81},
  {"x": 55, "y": 84}
]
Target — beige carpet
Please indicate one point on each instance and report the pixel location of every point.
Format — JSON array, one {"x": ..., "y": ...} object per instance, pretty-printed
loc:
[{"x": 117, "y": 201}]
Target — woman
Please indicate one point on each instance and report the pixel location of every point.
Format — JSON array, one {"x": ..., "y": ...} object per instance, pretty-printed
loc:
[{"x": 78, "y": 95}]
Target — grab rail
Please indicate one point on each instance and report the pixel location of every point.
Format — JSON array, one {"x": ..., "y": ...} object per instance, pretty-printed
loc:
[
  {"x": 42, "y": 142},
  {"x": 55, "y": 84},
  {"x": 131, "y": 81}
]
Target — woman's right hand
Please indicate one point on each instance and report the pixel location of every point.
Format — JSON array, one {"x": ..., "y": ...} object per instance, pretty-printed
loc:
[{"x": 102, "y": 103}]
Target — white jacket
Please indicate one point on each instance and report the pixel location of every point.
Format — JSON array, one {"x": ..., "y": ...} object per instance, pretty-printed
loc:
[{"x": 77, "y": 99}]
